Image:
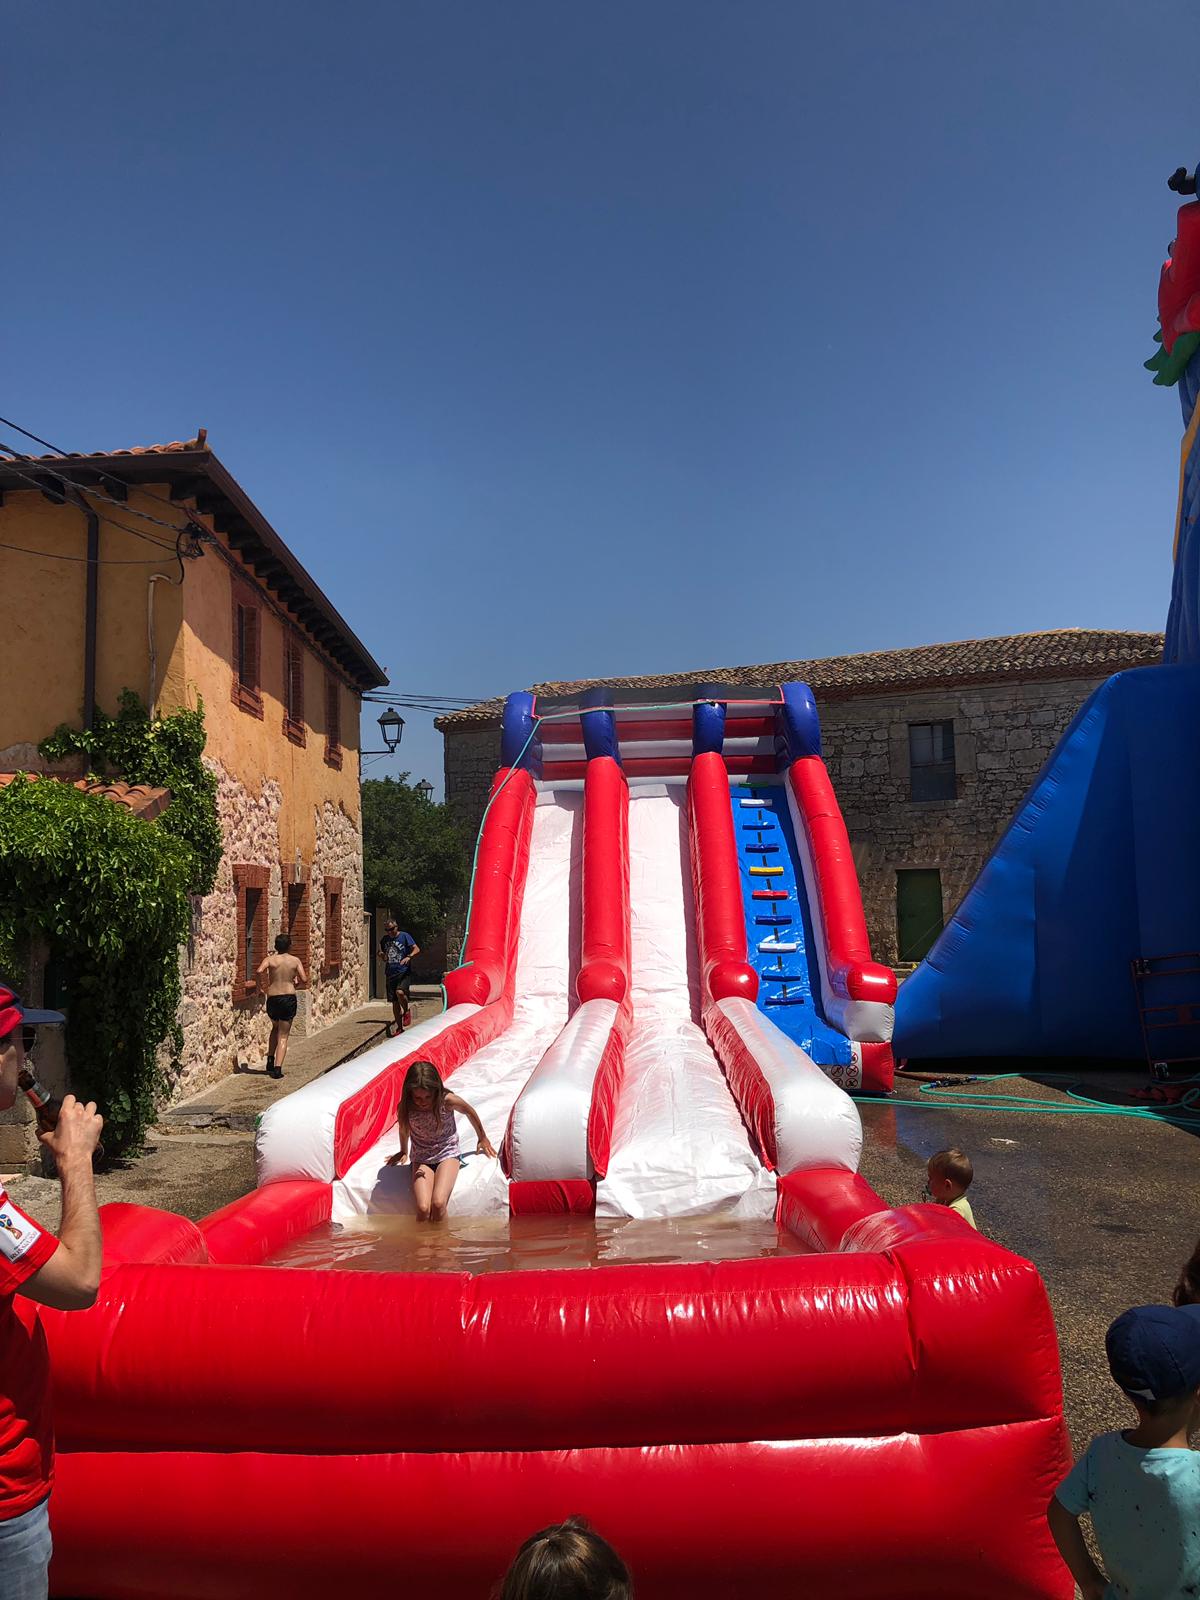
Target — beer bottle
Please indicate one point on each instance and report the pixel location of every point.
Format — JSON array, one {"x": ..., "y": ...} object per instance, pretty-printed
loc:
[{"x": 46, "y": 1106}]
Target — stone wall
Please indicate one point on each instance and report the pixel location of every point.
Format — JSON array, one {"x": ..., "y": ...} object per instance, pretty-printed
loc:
[
  {"x": 1003, "y": 732},
  {"x": 338, "y": 854},
  {"x": 471, "y": 756},
  {"x": 220, "y": 1035}
]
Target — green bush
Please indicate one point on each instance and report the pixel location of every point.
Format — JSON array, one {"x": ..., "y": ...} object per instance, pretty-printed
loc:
[
  {"x": 163, "y": 752},
  {"x": 110, "y": 893}
]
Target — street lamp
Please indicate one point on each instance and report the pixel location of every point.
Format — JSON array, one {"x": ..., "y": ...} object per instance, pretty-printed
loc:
[
  {"x": 424, "y": 789},
  {"x": 391, "y": 726}
]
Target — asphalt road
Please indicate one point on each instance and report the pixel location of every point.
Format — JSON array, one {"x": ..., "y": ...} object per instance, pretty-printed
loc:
[{"x": 1104, "y": 1206}]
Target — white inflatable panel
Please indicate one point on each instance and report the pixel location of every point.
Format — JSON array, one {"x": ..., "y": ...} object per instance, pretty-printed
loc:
[
  {"x": 679, "y": 1146},
  {"x": 550, "y": 1120},
  {"x": 547, "y": 960},
  {"x": 295, "y": 1135},
  {"x": 869, "y": 1021},
  {"x": 816, "y": 1123}
]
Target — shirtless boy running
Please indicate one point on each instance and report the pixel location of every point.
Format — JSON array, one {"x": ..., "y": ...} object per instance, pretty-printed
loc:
[{"x": 282, "y": 972}]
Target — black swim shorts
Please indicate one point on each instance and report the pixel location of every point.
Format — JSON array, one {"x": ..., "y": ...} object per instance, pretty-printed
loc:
[
  {"x": 281, "y": 1007},
  {"x": 399, "y": 981}
]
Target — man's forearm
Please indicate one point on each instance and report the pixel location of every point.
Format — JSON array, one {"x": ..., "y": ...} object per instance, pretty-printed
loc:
[{"x": 79, "y": 1231}]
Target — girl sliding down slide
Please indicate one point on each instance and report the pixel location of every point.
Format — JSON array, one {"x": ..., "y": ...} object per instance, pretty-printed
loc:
[{"x": 425, "y": 1117}]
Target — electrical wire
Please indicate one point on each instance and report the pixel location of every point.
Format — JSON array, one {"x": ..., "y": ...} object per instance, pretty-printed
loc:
[
  {"x": 195, "y": 529},
  {"x": 88, "y": 489},
  {"x": 49, "y": 555},
  {"x": 68, "y": 455}
]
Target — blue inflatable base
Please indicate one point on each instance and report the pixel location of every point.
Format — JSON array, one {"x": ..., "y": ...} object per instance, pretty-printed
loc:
[{"x": 1100, "y": 866}]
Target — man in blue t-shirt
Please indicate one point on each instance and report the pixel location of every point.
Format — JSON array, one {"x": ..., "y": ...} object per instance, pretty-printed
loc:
[{"x": 398, "y": 949}]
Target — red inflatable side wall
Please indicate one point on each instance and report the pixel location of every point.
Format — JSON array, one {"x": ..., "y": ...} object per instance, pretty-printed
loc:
[
  {"x": 720, "y": 920},
  {"x": 485, "y": 978},
  {"x": 249, "y": 1230},
  {"x": 604, "y": 968},
  {"x": 852, "y": 972},
  {"x": 721, "y": 944},
  {"x": 915, "y": 1340},
  {"x": 872, "y": 1518}
]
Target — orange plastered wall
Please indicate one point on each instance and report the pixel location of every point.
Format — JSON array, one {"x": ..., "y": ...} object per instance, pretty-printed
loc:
[
  {"x": 41, "y": 646},
  {"x": 251, "y": 748}
]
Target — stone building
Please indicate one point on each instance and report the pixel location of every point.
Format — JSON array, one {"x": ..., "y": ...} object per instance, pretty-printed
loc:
[
  {"x": 930, "y": 751},
  {"x": 221, "y": 612}
]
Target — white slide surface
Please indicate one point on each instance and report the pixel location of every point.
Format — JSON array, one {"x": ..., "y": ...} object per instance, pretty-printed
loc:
[
  {"x": 547, "y": 962},
  {"x": 679, "y": 1145}
]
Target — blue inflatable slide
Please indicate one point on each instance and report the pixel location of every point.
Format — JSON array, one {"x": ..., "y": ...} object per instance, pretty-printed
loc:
[{"x": 1086, "y": 918}]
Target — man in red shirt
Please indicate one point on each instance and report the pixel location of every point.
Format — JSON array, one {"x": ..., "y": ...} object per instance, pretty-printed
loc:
[{"x": 63, "y": 1273}]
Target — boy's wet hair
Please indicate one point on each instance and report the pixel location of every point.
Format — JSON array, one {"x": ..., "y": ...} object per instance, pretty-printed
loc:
[
  {"x": 283, "y": 943},
  {"x": 567, "y": 1561},
  {"x": 953, "y": 1164}
]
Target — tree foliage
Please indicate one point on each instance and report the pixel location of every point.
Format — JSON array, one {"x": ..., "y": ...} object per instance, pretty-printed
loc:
[
  {"x": 414, "y": 855},
  {"x": 110, "y": 893},
  {"x": 164, "y": 752}
]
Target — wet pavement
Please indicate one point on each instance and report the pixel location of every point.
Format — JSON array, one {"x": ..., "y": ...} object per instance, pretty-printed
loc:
[{"x": 1104, "y": 1206}]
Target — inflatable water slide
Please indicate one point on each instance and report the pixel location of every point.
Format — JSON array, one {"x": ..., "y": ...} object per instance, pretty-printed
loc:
[
  {"x": 666, "y": 991},
  {"x": 1079, "y": 936},
  {"x": 666, "y": 948}
]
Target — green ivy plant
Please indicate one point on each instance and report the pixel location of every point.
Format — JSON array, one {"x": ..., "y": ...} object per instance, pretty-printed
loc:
[
  {"x": 164, "y": 752},
  {"x": 110, "y": 893}
]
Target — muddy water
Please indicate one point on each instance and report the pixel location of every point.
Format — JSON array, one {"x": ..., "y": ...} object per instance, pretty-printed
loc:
[{"x": 503, "y": 1244}]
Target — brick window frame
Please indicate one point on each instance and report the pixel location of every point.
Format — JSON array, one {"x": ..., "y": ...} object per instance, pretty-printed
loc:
[
  {"x": 331, "y": 963},
  {"x": 246, "y": 650},
  {"x": 251, "y": 885},
  {"x": 293, "y": 688},
  {"x": 333, "y": 722},
  {"x": 295, "y": 914}
]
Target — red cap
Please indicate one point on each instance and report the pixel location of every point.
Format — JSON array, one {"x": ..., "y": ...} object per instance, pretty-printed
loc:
[{"x": 13, "y": 1013}]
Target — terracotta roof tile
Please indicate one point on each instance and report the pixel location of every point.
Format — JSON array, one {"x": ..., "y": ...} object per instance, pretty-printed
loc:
[
  {"x": 1056, "y": 653},
  {"x": 200, "y": 442},
  {"x": 139, "y": 798}
]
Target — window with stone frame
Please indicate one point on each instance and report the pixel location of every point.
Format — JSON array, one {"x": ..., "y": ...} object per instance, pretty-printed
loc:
[
  {"x": 246, "y": 655},
  {"x": 293, "y": 687},
  {"x": 295, "y": 914},
  {"x": 333, "y": 721},
  {"x": 931, "y": 772},
  {"x": 332, "y": 963},
  {"x": 251, "y": 884}
]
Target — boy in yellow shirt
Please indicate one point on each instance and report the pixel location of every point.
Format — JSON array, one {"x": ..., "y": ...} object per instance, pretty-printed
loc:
[{"x": 950, "y": 1173}]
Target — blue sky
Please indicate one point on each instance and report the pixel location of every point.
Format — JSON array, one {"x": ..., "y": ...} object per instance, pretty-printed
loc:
[{"x": 565, "y": 339}]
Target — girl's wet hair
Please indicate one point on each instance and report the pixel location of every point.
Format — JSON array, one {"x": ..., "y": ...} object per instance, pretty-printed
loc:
[
  {"x": 1187, "y": 1290},
  {"x": 567, "y": 1562},
  {"x": 422, "y": 1075}
]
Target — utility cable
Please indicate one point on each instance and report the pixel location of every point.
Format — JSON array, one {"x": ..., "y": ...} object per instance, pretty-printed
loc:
[
  {"x": 50, "y": 555},
  {"x": 68, "y": 455},
  {"x": 89, "y": 489}
]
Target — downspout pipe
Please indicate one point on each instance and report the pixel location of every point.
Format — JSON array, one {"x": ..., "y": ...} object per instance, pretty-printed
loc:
[{"x": 90, "y": 613}]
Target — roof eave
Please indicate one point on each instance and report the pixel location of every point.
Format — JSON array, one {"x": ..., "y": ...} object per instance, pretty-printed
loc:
[{"x": 192, "y": 471}]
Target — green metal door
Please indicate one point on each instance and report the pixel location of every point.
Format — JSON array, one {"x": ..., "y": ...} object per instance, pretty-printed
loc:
[{"x": 918, "y": 911}]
